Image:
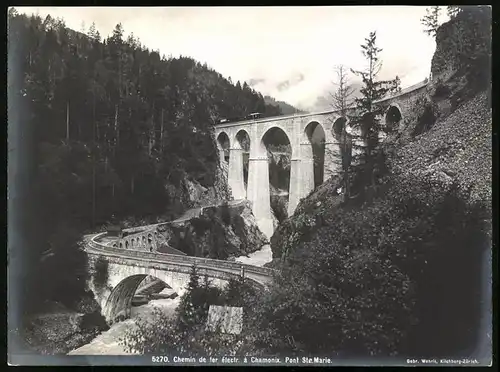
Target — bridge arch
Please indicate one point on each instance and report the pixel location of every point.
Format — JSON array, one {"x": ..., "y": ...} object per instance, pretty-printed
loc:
[
  {"x": 223, "y": 146},
  {"x": 393, "y": 117},
  {"x": 242, "y": 139},
  {"x": 344, "y": 139},
  {"x": 273, "y": 128},
  {"x": 339, "y": 124},
  {"x": 241, "y": 150},
  {"x": 276, "y": 145},
  {"x": 150, "y": 242},
  {"x": 312, "y": 148},
  {"x": 119, "y": 303}
]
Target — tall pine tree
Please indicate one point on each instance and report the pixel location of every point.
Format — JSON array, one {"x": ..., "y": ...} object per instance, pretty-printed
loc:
[
  {"x": 368, "y": 113},
  {"x": 431, "y": 20}
]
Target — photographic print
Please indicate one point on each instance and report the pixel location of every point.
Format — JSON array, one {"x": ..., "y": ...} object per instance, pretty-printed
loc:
[{"x": 284, "y": 186}]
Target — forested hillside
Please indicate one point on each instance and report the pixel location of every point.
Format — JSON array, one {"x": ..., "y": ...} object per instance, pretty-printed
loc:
[
  {"x": 110, "y": 131},
  {"x": 285, "y": 108}
]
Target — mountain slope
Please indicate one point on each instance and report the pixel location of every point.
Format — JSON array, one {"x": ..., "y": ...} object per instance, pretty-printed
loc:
[{"x": 286, "y": 108}]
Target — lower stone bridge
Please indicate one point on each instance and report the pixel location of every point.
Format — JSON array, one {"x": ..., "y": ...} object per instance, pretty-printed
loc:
[{"x": 115, "y": 274}]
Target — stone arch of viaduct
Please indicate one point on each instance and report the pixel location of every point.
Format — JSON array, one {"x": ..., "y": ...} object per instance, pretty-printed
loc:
[{"x": 302, "y": 166}]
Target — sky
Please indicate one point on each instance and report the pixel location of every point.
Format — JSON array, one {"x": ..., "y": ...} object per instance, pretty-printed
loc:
[{"x": 298, "y": 46}]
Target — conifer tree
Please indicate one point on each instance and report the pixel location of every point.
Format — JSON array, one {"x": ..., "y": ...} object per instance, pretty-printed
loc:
[
  {"x": 397, "y": 85},
  {"x": 187, "y": 310},
  {"x": 341, "y": 100},
  {"x": 368, "y": 112},
  {"x": 194, "y": 279},
  {"x": 431, "y": 20},
  {"x": 453, "y": 10}
]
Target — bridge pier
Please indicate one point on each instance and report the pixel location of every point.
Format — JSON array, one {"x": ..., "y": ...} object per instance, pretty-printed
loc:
[
  {"x": 235, "y": 174},
  {"x": 221, "y": 154},
  {"x": 294, "y": 191},
  {"x": 332, "y": 161},
  {"x": 306, "y": 175},
  {"x": 258, "y": 193}
]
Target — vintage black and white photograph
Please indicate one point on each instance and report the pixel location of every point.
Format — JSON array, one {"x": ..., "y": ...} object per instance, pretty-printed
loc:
[{"x": 275, "y": 185}]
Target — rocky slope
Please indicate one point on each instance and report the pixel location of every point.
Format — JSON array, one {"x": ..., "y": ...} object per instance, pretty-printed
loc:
[
  {"x": 286, "y": 108},
  {"x": 222, "y": 230},
  {"x": 457, "y": 148},
  {"x": 200, "y": 196},
  {"x": 59, "y": 329},
  {"x": 218, "y": 232}
]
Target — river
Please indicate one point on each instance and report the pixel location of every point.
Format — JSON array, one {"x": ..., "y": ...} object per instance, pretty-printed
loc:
[{"x": 107, "y": 343}]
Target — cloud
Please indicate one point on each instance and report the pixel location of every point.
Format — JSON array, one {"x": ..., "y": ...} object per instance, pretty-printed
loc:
[{"x": 272, "y": 45}]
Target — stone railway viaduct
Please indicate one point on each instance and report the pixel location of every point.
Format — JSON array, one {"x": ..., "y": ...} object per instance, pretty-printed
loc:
[
  {"x": 118, "y": 265},
  {"x": 298, "y": 130}
]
